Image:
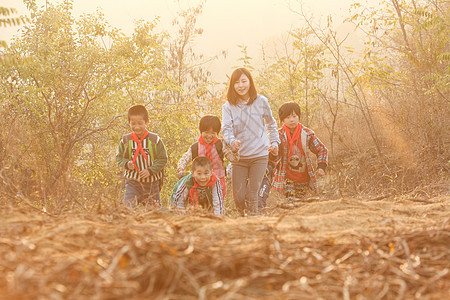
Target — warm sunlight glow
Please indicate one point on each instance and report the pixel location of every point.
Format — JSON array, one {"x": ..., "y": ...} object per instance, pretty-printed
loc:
[
  {"x": 225, "y": 24},
  {"x": 224, "y": 149}
]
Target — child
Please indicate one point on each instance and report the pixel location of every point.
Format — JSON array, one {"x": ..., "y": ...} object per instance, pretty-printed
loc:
[
  {"x": 143, "y": 156},
  {"x": 294, "y": 172},
  {"x": 201, "y": 188},
  {"x": 211, "y": 146}
]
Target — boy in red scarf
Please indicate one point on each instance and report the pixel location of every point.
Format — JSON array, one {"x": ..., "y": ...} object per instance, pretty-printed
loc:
[
  {"x": 201, "y": 188},
  {"x": 142, "y": 156},
  {"x": 211, "y": 146},
  {"x": 294, "y": 173}
]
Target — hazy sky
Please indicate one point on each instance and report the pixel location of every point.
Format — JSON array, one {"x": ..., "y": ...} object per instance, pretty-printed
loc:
[{"x": 226, "y": 23}]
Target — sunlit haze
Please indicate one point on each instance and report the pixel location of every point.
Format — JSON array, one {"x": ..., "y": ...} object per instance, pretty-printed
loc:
[{"x": 226, "y": 24}]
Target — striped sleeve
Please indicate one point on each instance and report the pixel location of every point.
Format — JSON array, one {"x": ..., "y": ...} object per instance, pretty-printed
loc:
[
  {"x": 120, "y": 159},
  {"x": 180, "y": 196},
  {"x": 184, "y": 160},
  {"x": 217, "y": 199},
  {"x": 319, "y": 149}
]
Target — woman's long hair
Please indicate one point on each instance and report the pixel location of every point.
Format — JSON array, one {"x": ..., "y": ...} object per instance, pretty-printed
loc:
[{"x": 232, "y": 96}]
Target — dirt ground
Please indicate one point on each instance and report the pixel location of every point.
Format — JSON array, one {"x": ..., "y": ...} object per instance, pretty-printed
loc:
[{"x": 351, "y": 248}]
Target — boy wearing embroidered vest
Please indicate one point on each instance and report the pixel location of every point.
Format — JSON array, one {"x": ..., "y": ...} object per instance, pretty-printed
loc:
[
  {"x": 294, "y": 173},
  {"x": 143, "y": 157},
  {"x": 211, "y": 146},
  {"x": 201, "y": 188}
]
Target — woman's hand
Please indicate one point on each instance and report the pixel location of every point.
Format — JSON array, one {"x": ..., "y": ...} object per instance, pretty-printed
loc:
[{"x": 235, "y": 146}]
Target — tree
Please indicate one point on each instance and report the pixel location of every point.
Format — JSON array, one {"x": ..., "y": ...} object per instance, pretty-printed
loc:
[
  {"x": 185, "y": 66},
  {"x": 296, "y": 72},
  {"x": 352, "y": 74},
  {"x": 71, "y": 92},
  {"x": 7, "y": 18},
  {"x": 406, "y": 69},
  {"x": 245, "y": 60},
  {"x": 189, "y": 90},
  {"x": 332, "y": 94},
  {"x": 395, "y": 85}
]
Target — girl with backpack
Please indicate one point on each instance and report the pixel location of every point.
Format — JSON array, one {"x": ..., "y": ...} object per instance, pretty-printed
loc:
[{"x": 211, "y": 146}]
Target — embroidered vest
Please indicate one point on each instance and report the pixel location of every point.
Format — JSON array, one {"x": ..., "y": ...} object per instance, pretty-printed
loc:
[{"x": 149, "y": 146}]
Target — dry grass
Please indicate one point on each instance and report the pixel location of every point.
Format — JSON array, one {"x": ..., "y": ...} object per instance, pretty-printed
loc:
[{"x": 379, "y": 248}]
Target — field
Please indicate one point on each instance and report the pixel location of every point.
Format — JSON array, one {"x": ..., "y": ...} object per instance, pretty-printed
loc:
[{"x": 348, "y": 248}]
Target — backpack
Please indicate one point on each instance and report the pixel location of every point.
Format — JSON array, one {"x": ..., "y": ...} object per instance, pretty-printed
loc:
[
  {"x": 219, "y": 148},
  {"x": 152, "y": 139},
  {"x": 188, "y": 180}
]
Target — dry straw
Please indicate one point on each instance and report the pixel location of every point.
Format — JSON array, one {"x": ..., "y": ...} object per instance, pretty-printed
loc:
[{"x": 162, "y": 255}]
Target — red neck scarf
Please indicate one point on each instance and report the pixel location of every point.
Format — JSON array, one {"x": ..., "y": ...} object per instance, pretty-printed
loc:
[
  {"x": 139, "y": 148},
  {"x": 295, "y": 135},
  {"x": 208, "y": 146},
  {"x": 193, "y": 193}
]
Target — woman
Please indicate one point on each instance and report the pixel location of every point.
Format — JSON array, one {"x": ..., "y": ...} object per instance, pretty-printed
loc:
[{"x": 246, "y": 120}]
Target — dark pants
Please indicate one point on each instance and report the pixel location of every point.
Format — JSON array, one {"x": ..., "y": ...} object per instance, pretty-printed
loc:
[
  {"x": 247, "y": 175},
  {"x": 137, "y": 192}
]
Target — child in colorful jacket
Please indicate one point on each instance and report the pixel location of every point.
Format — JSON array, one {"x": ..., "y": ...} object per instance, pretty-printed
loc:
[
  {"x": 294, "y": 173},
  {"x": 143, "y": 156},
  {"x": 211, "y": 146},
  {"x": 201, "y": 188}
]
